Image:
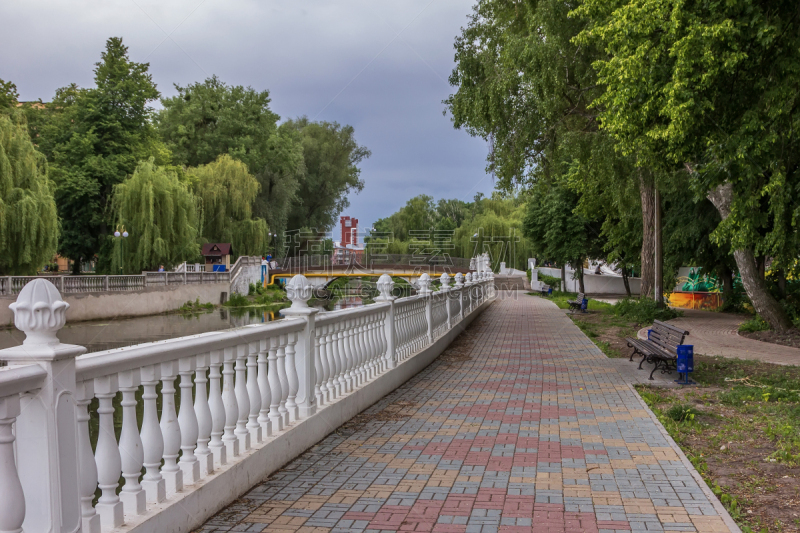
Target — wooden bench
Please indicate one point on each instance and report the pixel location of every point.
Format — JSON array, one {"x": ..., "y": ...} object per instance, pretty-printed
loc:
[
  {"x": 661, "y": 348},
  {"x": 577, "y": 303}
]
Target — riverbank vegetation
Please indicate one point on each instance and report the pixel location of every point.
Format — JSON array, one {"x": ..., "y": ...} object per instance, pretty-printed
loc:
[{"x": 215, "y": 164}]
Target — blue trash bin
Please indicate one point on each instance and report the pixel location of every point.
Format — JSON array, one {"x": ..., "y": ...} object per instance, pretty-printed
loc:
[
  {"x": 685, "y": 362},
  {"x": 649, "y": 331},
  {"x": 584, "y": 305}
]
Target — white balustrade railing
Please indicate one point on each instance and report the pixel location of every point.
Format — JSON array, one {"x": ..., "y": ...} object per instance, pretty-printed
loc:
[
  {"x": 11, "y": 285},
  {"x": 221, "y": 395}
]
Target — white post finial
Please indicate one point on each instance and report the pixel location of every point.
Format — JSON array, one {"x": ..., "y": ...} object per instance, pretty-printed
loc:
[
  {"x": 468, "y": 279},
  {"x": 459, "y": 281},
  {"x": 298, "y": 290},
  {"x": 385, "y": 286},
  {"x": 445, "y": 279},
  {"x": 424, "y": 284},
  {"x": 39, "y": 312}
]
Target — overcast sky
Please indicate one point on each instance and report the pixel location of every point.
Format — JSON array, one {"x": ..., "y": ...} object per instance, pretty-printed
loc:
[{"x": 381, "y": 66}]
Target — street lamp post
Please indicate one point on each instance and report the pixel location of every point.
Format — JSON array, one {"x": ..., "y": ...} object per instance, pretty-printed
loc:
[{"x": 120, "y": 233}]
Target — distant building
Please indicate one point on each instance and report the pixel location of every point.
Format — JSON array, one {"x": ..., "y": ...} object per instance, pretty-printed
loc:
[
  {"x": 218, "y": 256},
  {"x": 347, "y": 250}
]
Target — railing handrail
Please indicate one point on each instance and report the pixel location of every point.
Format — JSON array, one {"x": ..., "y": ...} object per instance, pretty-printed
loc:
[
  {"x": 332, "y": 317},
  {"x": 107, "y": 362},
  {"x": 19, "y": 379}
]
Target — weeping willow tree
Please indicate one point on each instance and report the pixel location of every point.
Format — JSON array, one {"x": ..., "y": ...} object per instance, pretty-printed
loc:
[
  {"x": 28, "y": 218},
  {"x": 160, "y": 215},
  {"x": 226, "y": 191}
]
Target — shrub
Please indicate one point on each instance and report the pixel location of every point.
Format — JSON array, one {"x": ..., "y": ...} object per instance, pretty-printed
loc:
[
  {"x": 681, "y": 412},
  {"x": 237, "y": 300},
  {"x": 550, "y": 280},
  {"x": 754, "y": 324},
  {"x": 643, "y": 310}
]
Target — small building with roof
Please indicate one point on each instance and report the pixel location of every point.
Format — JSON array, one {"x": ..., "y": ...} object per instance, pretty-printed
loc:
[{"x": 217, "y": 256}]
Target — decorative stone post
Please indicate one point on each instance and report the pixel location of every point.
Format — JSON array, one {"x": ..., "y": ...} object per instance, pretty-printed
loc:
[
  {"x": 298, "y": 291},
  {"x": 445, "y": 279},
  {"x": 46, "y": 428},
  {"x": 385, "y": 287},
  {"x": 425, "y": 291},
  {"x": 459, "y": 281}
]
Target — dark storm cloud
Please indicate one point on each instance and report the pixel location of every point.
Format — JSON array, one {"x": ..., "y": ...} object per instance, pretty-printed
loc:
[{"x": 379, "y": 66}]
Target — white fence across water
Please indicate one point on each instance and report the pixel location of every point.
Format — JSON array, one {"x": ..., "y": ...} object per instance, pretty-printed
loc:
[
  {"x": 11, "y": 285},
  {"x": 82, "y": 445}
]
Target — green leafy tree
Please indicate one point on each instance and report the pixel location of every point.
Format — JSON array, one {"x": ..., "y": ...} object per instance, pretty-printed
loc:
[
  {"x": 710, "y": 89},
  {"x": 8, "y": 94},
  {"x": 28, "y": 217},
  {"x": 525, "y": 86},
  {"x": 226, "y": 191},
  {"x": 207, "y": 120},
  {"x": 94, "y": 139},
  {"x": 162, "y": 219},
  {"x": 331, "y": 156},
  {"x": 557, "y": 232}
]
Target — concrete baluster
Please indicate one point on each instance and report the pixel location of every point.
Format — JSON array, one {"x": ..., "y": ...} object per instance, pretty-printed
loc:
[
  {"x": 264, "y": 390},
  {"x": 109, "y": 464},
  {"x": 324, "y": 376},
  {"x": 203, "y": 413},
  {"x": 217, "y": 408},
  {"x": 133, "y": 497},
  {"x": 366, "y": 353},
  {"x": 170, "y": 430},
  {"x": 349, "y": 352},
  {"x": 242, "y": 399},
  {"x": 275, "y": 386},
  {"x": 319, "y": 382},
  {"x": 341, "y": 344},
  {"x": 253, "y": 393},
  {"x": 12, "y": 503},
  {"x": 187, "y": 419},
  {"x": 291, "y": 377},
  {"x": 330, "y": 350},
  {"x": 229, "y": 401},
  {"x": 152, "y": 439},
  {"x": 90, "y": 520},
  {"x": 284, "y": 380},
  {"x": 371, "y": 346}
]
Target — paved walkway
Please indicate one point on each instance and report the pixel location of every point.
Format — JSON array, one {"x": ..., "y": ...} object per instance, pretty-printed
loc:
[
  {"x": 521, "y": 426},
  {"x": 717, "y": 334}
]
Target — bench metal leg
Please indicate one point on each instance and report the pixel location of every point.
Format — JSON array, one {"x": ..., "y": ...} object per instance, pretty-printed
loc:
[{"x": 642, "y": 361}]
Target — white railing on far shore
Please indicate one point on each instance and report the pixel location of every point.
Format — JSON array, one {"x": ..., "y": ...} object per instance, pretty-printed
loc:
[
  {"x": 73, "y": 425},
  {"x": 11, "y": 285}
]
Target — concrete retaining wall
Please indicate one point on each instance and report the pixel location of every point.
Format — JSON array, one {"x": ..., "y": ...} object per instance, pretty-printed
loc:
[
  {"x": 247, "y": 275},
  {"x": 595, "y": 283},
  {"x": 106, "y": 305}
]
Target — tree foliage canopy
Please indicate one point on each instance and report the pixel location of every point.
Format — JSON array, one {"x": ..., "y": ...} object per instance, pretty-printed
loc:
[
  {"x": 28, "y": 218},
  {"x": 161, "y": 216},
  {"x": 331, "y": 157},
  {"x": 226, "y": 191}
]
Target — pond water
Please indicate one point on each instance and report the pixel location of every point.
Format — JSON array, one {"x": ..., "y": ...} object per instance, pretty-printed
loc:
[{"x": 108, "y": 334}]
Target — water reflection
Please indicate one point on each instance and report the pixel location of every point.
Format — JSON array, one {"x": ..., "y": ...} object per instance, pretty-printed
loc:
[{"x": 116, "y": 333}]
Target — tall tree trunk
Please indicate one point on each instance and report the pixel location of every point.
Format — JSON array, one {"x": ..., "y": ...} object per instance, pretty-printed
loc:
[
  {"x": 658, "y": 267},
  {"x": 580, "y": 277},
  {"x": 76, "y": 266},
  {"x": 647, "y": 194},
  {"x": 564, "y": 277},
  {"x": 765, "y": 305},
  {"x": 782, "y": 282},
  {"x": 626, "y": 282}
]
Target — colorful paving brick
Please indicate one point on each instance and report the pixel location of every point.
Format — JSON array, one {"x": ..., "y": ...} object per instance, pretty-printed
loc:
[{"x": 521, "y": 427}]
